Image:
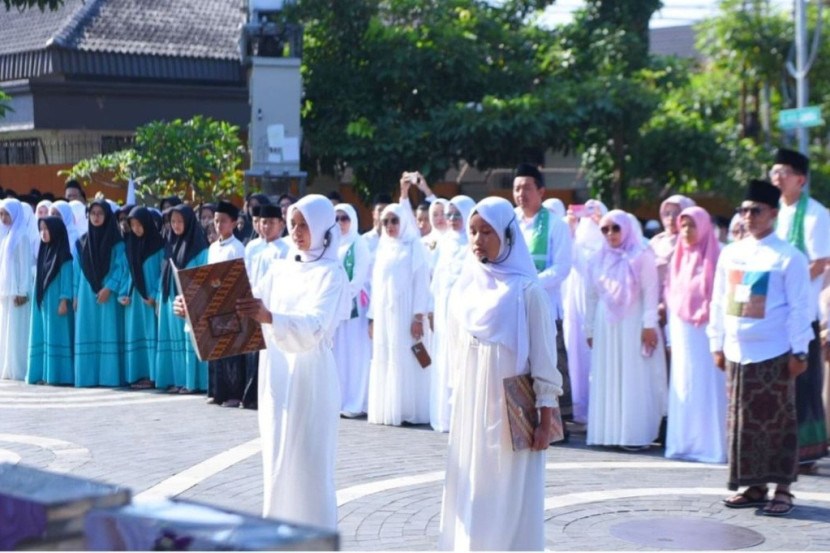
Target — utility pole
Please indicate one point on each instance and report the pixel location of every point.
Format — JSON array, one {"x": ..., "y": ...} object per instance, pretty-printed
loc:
[
  {"x": 804, "y": 58},
  {"x": 801, "y": 69}
]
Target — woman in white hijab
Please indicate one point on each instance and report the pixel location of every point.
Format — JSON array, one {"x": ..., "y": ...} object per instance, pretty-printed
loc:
[
  {"x": 352, "y": 348},
  {"x": 500, "y": 326},
  {"x": 555, "y": 206},
  {"x": 588, "y": 241},
  {"x": 15, "y": 290},
  {"x": 42, "y": 209},
  {"x": 32, "y": 232},
  {"x": 438, "y": 223},
  {"x": 79, "y": 211},
  {"x": 452, "y": 250},
  {"x": 63, "y": 210},
  {"x": 300, "y": 302},
  {"x": 398, "y": 386}
]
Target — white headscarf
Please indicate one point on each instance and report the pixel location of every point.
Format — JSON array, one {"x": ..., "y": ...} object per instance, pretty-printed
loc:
[
  {"x": 555, "y": 206},
  {"x": 15, "y": 233},
  {"x": 390, "y": 269},
  {"x": 346, "y": 240},
  {"x": 325, "y": 234},
  {"x": 79, "y": 212},
  {"x": 30, "y": 220},
  {"x": 452, "y": 248},
  {"x": 489, "y": 298},
  {"x": 68, "y": 218},
  {"x": 43, "y": 203},
  {"x": 432, "y": 208}
]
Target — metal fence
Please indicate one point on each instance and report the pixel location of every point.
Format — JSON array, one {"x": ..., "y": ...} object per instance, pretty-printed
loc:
[{"x": 69, "y": 149}]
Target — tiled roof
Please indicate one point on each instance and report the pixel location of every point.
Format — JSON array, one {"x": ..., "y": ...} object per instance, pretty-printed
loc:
[
  {"x": 32, "y": 29},
  {"x": 180, "y": 28}
]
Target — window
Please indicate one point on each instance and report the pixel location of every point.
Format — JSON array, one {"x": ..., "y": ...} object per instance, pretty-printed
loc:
[{"x": 19, "y": 152}]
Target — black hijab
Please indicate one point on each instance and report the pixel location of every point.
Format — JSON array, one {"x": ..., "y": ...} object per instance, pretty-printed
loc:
[
  {"x": 51, "y": 256},
  {"x": 172, "y": 201},
  {"x": 95, "y": 247},
  {"x": 182, "y": 248},
  {"x": 140, "y": 249}
]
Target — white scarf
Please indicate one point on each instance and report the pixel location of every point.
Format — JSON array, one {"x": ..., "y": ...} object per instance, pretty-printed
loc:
[{"x": 489, "y": 298}]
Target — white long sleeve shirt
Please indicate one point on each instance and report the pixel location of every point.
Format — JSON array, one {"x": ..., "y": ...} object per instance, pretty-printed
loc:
[
  {"x": 761, "y": 304},
  {"x": 226, "y": 250},
  {"x": 816, "y": 239},
  {"x": 560, "y": 253}
]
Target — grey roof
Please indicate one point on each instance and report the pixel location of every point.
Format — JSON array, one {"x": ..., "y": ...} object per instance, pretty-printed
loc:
[
  {"x": 674, "y": 41},
  {"x": 102, "y": 36}
]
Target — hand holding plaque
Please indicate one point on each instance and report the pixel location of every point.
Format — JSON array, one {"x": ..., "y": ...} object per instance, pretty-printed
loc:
[{"x": 210, "y": 295}]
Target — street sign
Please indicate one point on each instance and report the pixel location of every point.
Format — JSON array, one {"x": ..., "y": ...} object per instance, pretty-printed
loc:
[{"x": 800, "y": 117}]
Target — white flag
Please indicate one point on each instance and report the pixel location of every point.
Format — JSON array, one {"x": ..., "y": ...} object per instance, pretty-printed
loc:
[{"x": 130, "y": 193}]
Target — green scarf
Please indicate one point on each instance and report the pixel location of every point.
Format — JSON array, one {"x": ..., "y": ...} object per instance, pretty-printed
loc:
[
  {"x": 348, "y": 264},
  {"x": 539, "y": 240},
  {"x": 795, "y": 235}
]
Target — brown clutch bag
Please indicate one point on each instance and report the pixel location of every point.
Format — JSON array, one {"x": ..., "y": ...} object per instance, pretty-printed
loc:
[
  {"x": 422, "y": 355},
  {"x": 522, "y": 414}
]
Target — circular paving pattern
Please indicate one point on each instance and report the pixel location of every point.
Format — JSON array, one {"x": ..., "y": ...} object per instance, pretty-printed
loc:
[{"x": 691, "y": 534}]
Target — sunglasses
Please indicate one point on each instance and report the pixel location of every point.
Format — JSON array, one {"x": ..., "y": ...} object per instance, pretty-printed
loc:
[
  {"x": 609, "y": 229},
  {"x": 393, "y": 221},
  {"x": 453, "y": 216},
  {"x": 754, "y": 211},
  {"x": 342, "y": 219}
]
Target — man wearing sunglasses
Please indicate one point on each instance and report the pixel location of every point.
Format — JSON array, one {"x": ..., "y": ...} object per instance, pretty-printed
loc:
[
  {"x": 759, "y": 328},
  {"x": 805, "y": 223},
  {"x": 549, "y": 240}
]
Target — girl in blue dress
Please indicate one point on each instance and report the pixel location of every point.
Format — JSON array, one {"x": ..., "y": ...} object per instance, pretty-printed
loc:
[
  {"x": 50, "y": 345},
  {"x": 178, "y": 369},
  {"x": 101, "y": 277},
  {"x": 145, "y": 253}
]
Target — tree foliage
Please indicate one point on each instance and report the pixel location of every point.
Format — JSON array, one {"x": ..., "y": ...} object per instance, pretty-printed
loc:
[
  {"x": 390, "y": 84},
  {"x": 199, "y": 159}
]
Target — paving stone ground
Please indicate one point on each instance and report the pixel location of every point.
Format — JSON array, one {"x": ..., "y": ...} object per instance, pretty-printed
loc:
[{"x": 389, "y": 480}]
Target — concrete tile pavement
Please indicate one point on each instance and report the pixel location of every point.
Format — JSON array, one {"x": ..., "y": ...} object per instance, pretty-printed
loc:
[{"x": 389, "y": 480}]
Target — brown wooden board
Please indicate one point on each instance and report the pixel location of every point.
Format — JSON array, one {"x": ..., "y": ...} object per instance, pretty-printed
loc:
[
  {"x": 522, "y": 415},
  {"x": 210, "y": 293}
]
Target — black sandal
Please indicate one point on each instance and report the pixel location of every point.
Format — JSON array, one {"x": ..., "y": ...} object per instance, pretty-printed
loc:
[
  {"x": 753, "y": 496},
  {"x": 770, "y": 511}
]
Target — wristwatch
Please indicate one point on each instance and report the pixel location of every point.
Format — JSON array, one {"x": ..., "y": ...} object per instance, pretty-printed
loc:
[{"x": 800, "y": 357}]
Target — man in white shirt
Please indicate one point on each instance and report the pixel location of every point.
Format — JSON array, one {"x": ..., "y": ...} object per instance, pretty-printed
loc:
[
  {"x": 758, "y": 332},
  {"x": 549, "y": 240},
  {"x": 260, "y": 253},
  {"x": 805, "y": 223},
  {"x": 226, "y": 377}
]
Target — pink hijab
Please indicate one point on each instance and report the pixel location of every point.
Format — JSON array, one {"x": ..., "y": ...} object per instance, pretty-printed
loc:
[
  {"x": 691, "y": 273},
  {"x": 617, "y": 275}
]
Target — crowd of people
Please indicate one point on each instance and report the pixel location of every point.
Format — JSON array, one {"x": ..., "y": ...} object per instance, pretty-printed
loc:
[{"x": 712, "y": 337}]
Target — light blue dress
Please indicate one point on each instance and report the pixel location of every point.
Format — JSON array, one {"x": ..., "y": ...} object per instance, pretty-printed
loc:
[
  {"x": 50, "y": 344},
  {"x": 99, "y": 336},
  {"x": 141, "y": 323},
  {"x": 176, "y": 361}
]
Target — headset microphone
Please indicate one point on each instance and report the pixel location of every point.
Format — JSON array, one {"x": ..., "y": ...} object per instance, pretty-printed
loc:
[
  {"x": 326, "y": 243},
  {"x": 484, "y": 260}
]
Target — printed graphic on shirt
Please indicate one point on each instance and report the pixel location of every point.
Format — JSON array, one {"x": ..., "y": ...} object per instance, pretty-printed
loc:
[{"x": 747, "y": 293}]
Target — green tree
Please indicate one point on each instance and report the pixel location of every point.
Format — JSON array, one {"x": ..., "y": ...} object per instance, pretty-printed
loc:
[
  {"x": 199, "y": 159},
  {"x": 388, "y": 82},
  {"x": 605, "y": 49},
  {"x": 4, "y": 106}
]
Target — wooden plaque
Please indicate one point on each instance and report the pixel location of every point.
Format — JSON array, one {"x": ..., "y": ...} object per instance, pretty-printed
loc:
[
  {"x": 522, "y": 415},
  {"x": 210, "y": 293}
]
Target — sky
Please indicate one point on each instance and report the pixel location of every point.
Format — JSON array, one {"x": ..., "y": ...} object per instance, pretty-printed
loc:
[{"x": 674, "y": 12}]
